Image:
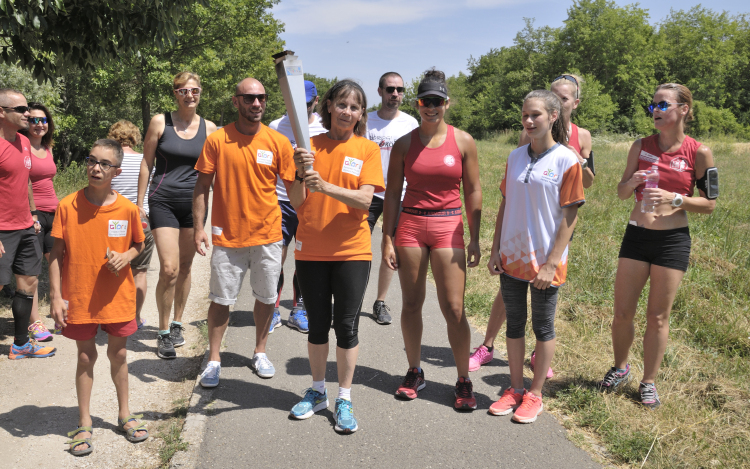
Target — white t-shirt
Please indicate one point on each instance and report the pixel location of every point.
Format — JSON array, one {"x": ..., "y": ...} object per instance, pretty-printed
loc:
[
  {"x": 284, "y": 126},
  {"x": 126, "y": 183},
  {"x": 385, "y": 133}
]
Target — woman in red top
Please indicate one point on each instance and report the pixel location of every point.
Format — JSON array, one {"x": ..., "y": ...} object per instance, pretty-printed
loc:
[
  {"x": 656, "y": 245},
  {"x": 435, "y": 158},
  {"x": 43, "y": 169}
]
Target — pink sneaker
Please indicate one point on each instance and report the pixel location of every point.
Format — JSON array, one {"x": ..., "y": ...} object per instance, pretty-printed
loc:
[
  {"x": 480, "y": 356},
  {"x": 550, "y": 373},
  {"x": 39, "y": 332}
]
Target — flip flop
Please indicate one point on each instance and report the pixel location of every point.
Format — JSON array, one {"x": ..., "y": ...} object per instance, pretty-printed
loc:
[
  {"x": 142, "y": 323},
  {"x": 79, "y": 441},
  {"x": 130, "y": 432}
]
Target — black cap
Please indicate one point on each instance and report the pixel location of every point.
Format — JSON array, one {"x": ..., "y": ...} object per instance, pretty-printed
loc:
[{"x": 432, "y": 89}]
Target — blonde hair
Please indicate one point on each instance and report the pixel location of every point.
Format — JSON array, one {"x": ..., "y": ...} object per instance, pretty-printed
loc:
[
  {"x": 183, "y": 77},
  {"x": 562, "y": 80},
  {"x": 125, "y": 133},
  {"x": 683, "y": 95}
]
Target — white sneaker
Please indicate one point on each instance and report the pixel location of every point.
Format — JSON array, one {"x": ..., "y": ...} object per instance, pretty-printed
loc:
[
  {"x": 210, "y": 376},
  {"x": 262, "y": 365}
]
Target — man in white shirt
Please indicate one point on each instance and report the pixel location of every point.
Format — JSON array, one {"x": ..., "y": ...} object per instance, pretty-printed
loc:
[
  {"x": 298, "y": 315},
  {"x": 384, "y": 127}
]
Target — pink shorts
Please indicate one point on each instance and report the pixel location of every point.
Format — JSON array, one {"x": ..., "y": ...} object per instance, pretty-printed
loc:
[
  {"x": 88, "y": 331},
  {"x": 432, "y": 232}
]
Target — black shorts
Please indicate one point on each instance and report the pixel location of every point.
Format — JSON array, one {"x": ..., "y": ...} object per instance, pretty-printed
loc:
[
  {"x": 172, "y": 214},
  {"x": 143, "y": 260},
  {"x": 46, "y": 241},
  {"x": 376, "y": 209},
  {"x": 665, "y": 248},
  {"x": 23, "y": 255},
  {"x": 289, "y": 222}
]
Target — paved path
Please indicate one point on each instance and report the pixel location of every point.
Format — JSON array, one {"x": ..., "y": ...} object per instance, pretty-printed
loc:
[{"x": 248, "y": 417}]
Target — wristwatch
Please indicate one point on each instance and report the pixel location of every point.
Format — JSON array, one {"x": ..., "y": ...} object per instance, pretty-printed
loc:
[
  {"x": 297, "y": 178},
  {"x": 585, "y": 164},
  {"x": 677, "y": 201}
]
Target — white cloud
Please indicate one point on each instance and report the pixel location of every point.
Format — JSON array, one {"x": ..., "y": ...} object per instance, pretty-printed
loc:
[{"x": 339, "y": 16}]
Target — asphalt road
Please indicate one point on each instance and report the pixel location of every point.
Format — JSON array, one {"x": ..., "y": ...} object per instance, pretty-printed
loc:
[{"x": 249, "y": 424}]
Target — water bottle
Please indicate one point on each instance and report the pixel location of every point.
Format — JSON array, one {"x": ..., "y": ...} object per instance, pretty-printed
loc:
[{"x": 652, "y": 182}]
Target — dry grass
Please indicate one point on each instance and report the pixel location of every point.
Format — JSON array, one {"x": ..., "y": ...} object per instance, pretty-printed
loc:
[{"x": 704, "y": 420}]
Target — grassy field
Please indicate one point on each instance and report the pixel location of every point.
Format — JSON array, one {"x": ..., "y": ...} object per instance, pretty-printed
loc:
[{"x": 704, "y": 420}]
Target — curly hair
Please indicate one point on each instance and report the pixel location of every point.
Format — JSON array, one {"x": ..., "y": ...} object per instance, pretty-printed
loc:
[{"x": 125, "y": 133}]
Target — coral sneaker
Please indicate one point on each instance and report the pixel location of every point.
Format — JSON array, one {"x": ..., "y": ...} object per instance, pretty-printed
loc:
[
  {"x": 465, "y": 399},
  {"x": 38, "y": 332},
  {"x": 530, "y": 408},
  {"x": 550, "y": 373},
  {"x": 509, "y": 402},
  {"x": 30, "y": 350},
  {"x": 413, "y": 383},
  {"x": 481, "y": 356}
]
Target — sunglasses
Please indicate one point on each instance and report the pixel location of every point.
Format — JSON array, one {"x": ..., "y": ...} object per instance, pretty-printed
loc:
[
  {"x": 391, "y": 89},
  {"x": 38, "y": 120},
  {"x": 91, "y": 162},
  {"x": 431, "y": 101},
  {"x": 185, "y": 91},
  {"x": 18, "y": 109},
  {"x": 661, "y": 105},
  {"x": 250, "y": 98}
]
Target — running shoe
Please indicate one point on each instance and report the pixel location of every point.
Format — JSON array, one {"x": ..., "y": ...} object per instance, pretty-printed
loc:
[
  {"x": 530, "y": 408},
  {"x": 210, "y": 376},
  {"x": 381, "y": 312},
  {"x": 413, "y": 383},
  {"x": 298, "y": 320},
  {"x": 649, "y": 396},
  {"x": 311, "y": 403},
  {"x": 262, "y": 366},
  {"x": 345, "y": 421},
  {"x": 550, "y": 373},
  {"x": 38, "y": 332},
  {"x": 465, "y": 399},
  {"x": 175, "y": 333},
  {"x": 509, "y": 402},
  {"x": 30, "y": 350},
  {"x": 275, "y": 320},
  {"x": 164, "y": 346},
  {"x": 614, "y": 379},
  {"x": 480, "y": 356}
]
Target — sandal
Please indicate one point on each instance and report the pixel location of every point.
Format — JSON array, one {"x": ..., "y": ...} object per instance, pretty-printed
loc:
[
  {"x": 130, "y": 432},
  {"x": 79, "y": 441}
]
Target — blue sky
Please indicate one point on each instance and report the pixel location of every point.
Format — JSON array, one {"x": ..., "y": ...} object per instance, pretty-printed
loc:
[{"x": 362, "y": 39}]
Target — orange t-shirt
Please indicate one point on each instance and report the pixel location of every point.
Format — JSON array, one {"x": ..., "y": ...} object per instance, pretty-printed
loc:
[
  {"x": 330, "y": 230},
  {"x": 95, "y": 295},
  {"x": 245, "y": 209}
]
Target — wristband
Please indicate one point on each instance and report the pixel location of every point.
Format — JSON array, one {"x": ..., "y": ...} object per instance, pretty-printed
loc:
[{"x": 297, "y": 178}]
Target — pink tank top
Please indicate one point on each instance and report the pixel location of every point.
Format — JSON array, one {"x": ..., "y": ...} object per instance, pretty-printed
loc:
[
  {"x": 41, "y": 174},
  {"x": 676, "y": 169},
  {"x": 573, "y": 140},
  {"x": 433, "y": 175}
]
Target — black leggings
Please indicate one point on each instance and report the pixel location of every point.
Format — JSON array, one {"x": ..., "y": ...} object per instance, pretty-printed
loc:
[
  {"x": 343, "y": 281},
  {"x": 543, "y": 307}
]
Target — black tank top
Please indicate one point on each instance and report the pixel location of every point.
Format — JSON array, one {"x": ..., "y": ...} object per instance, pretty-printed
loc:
[{"x": 175, "y": 176}]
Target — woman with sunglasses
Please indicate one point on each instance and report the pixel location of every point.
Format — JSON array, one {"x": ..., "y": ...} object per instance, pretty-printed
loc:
[
  {"x": 568, "y": 88},
  {"x": 656, "y": 244},
  {"x": 436, "y": 159},
  {"x": 174, "y": 141},
  {"x": 43, "y": 170}
]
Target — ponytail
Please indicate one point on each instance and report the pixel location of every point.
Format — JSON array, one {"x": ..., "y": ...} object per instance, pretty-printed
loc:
[{"x": 552, "y": 104}]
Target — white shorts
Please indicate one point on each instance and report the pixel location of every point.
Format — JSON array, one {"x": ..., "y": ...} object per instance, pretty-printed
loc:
[{"x": 228, "y": 267}]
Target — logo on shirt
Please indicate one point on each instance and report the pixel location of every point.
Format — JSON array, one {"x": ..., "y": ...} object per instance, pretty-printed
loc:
[
  {"x": 449, "y": 160},
  {"x": 265, "y": 157},
  {"x": 648, "y": 157},
  {"x": 118, "y": 228},
  {"x": 27, "y": 161},
  {"x": 550, "y": 175},
  {"x": 679, "y": 164},
  {"x": 352, "y": 166}
]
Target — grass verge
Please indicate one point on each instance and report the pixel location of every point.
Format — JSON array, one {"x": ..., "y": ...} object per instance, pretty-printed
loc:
[{"x": 170, "y": 433}]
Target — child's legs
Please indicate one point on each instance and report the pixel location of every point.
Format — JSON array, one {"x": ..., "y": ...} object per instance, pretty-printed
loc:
[
  {"x": 117, "y": 353},
  {"x": 87, "y": 355},
  {"x": 543, "y": 307},
  {"x": 514, "y": 297}
]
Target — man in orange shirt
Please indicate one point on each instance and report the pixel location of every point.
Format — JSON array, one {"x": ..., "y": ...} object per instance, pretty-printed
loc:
[
  {"x": 243, "y": 159},
  {"x": 97, "y": 233}
]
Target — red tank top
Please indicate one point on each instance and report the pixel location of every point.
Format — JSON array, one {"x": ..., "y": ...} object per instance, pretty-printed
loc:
[
  {"x": 573, "y": 140},
  {"x": 433, "y": 175},
  {"x": 676, "y": 169},
  {"x": 41, "y": 174}
]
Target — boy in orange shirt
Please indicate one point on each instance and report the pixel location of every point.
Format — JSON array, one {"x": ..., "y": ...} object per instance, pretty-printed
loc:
[{"x": 98, "y": 232}]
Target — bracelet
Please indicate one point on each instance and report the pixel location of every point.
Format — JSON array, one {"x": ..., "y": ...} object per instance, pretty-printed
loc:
[{"x": 297, "y": 178}]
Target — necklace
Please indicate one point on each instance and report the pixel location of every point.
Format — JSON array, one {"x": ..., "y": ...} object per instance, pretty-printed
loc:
[{"x": 175, "y": 121}]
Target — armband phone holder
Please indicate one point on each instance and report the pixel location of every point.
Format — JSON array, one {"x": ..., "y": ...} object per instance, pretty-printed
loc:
[{"x": 709, "y": 183}]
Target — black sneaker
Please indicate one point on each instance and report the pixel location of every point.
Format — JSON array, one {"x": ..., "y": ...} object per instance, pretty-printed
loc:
[
  {"x": 381, "y": 312},
  {"x": 164, "y": 346},
  {"x": 175, "y": 333},
  {"x": 613, "y": 379}
]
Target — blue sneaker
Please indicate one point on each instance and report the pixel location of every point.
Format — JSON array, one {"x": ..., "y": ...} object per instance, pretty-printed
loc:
[
  {"x": 298, "y": 320},
  {"x": 614, "y": 379},
  {"x": 30, "y": 350},
  {"x": 311, "y": 403},
  {"x": 345, "y": 421},
  {"x": 275, "y": 320},
  {"x": 262, "y": 365},
  {"x": 210, "y": 376}
]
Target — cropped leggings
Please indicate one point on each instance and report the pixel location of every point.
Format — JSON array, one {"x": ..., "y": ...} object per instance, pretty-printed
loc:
[
  {"x": 340, "y": 284},
  {"x": 543, "y": 306}
]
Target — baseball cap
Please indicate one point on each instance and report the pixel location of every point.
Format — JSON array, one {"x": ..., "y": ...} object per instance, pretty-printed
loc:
[
  {"x": 310, "y": 91},
  {"x": 432, "y": 89}
]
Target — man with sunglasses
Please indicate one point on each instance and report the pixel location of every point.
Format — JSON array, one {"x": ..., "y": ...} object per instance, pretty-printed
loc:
[
  {"x": 298, "y": 315},
  {"x": 20, "y": 251},
  {"x": 384, "y": 127},
  {"x": 244, "y": 159}
]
